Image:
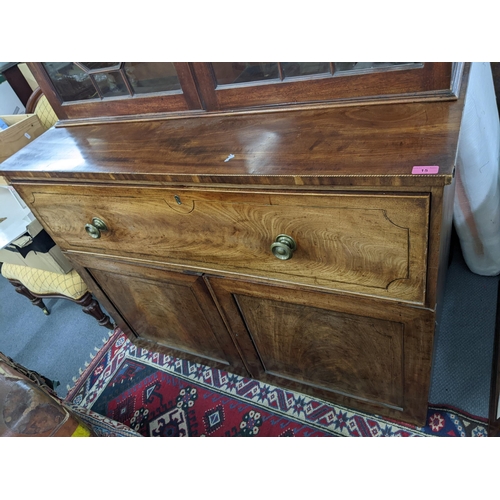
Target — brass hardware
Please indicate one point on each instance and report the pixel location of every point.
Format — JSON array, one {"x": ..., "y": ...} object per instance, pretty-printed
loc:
[
  {"x": 283, "y": 247},
  {"x": 178, "y": 200},
  {"x": 99, "y": 224},
  {"x": 94, "y": 229}
]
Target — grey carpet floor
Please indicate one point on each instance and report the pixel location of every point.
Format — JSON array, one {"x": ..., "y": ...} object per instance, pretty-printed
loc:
[
  {"x": 464, "y": 339},
  {"x": 58, "y": 346}
]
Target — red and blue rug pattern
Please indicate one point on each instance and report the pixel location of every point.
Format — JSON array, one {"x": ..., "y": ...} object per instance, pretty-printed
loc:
[{"x": 159, "y": 395}]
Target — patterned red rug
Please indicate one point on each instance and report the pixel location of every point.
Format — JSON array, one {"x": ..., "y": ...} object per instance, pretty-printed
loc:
[{"x": 158, "y": 395}]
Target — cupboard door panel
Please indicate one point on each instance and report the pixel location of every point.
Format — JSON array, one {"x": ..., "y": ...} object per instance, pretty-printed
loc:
[
  {"x": 354, "y": 355},
  {"x": 168, "y": 310},
  {"x": 366, "y": 354}
]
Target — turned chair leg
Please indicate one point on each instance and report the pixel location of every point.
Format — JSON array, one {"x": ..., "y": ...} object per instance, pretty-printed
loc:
[
  {"x": 89, "y": 304},
  {"x": 36, "y": 301},
  {"x": 91, "y": 307}
]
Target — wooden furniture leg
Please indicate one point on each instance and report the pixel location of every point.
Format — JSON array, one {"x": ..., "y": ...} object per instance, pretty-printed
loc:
[
  {"x": 36, "y": 301},
  {"x": 91, "y": 307},
  {"x": 89, "y": 304}
]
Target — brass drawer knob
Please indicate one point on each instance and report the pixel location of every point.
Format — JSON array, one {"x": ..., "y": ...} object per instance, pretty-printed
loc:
[
  {"x": 283, "y": 247},
  {"x": 94, "y": 229}
]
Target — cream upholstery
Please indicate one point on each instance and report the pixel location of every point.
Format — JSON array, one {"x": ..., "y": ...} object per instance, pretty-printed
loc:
[
  {"x": 45, "y": 282},
  {"x": 45, "y": 113}
]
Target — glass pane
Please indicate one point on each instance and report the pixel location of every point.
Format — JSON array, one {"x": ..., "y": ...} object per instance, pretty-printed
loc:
[
  {"x": 111, "y": 84},
  {"x": 362, "y": 66},
  {"x": 70, "y": 82},
  {"x": 152, "y": 77},
  {"x": 304, "y": 68},
  {"x": 227, "y": 73},
  {"x": 100, "y": 65}
]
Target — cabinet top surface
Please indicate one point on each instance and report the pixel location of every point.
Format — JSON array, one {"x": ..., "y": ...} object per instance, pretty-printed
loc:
[{"x": 379, "y": 141}]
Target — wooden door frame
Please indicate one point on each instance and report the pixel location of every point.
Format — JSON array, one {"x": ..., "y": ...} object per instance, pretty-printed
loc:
[{"x": 185, "y": 100}]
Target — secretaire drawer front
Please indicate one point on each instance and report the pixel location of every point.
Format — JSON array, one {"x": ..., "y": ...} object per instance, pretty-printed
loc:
[{"x": 368, "y": 243}]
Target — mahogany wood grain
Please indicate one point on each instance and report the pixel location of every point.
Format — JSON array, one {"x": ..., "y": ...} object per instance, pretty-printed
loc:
[
  {"x": 188, "y": 85},
  {"x": 364, "y": 243},
  {"x": 342, "y": 146},
  {"x": 174, "y": 310},
  {"x": 441, "y": 225},
  {"x": 355, "y": 353},
  {"x": 83, "y": 263},
  {"x": 197, "y": 279}
]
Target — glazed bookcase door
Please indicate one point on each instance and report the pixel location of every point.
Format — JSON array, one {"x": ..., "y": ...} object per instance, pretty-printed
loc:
[
  {"x": 230, "y": 85},
  {"x": 91, "y": 90},
  {"x": 350, "y": 352},
  {"x": 84, "y": 90}
]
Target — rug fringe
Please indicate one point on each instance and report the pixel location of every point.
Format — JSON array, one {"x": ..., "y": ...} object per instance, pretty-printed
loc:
[
  {"x": 92, "y": 356},
  {"x": 286, "y": 412}
]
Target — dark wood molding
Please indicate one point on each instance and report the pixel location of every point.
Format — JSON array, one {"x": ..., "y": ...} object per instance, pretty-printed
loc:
[
  {"x": 18, "y": 83},
  {"x": 182, "y": 100},
  {"x": 33, "y": 100},
  {"x": 48, "y": 89},
  {"x": 150, "y": 150},
  {"x": 206, "y": 85},
  {"x": 432, "y": 81},
  {"x": 189, "y": 87},
  {"x": 278, "y": 108}
]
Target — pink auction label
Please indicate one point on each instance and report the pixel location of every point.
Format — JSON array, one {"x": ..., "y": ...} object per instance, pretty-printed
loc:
[{"x": 425, "y": 170}]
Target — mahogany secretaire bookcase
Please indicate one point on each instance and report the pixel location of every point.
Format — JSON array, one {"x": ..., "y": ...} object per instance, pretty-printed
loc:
[{"x": 285, "y": 221}]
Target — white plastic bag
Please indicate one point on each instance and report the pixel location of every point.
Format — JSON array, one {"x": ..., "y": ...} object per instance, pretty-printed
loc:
[{"x": 477, "y": 197}]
